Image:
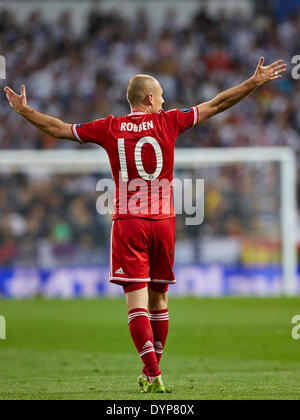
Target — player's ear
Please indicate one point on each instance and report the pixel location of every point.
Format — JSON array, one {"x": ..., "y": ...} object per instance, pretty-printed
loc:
[{"x": 150, "y": 98}]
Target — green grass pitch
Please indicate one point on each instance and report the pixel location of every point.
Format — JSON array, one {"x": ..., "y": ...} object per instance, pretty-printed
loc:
[{"x": 217, "y": 349}]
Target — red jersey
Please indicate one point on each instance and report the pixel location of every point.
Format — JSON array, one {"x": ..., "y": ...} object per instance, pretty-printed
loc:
[{"x": 140, "y": 148}]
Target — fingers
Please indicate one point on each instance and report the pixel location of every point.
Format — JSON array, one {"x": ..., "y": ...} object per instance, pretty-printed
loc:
[
  {"x": 283, "y": 66},
  {"x": 277, "y": 71},
  {"x": 277, "y": 68},
  {"x": 276, "y": 77},
  {"x": 9, "y": 91},
  {"x": 23, "y": 91},
  {"x": 275, "y": 64},
  {"x": 261, "y": 61},
  {"x": 10, "y": 94},
  {"x": 273, "y": 71},
  {"x": 277, "y": 74}
]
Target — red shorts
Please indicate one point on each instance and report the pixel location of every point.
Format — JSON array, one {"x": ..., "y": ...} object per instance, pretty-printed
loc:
[
  {"x": 142, "y": 250},
  {"x": 156, "y": 287}
]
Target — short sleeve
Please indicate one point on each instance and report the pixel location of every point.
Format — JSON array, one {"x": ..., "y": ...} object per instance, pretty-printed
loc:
[
  {"x": 183, "y": 119},
  {"x": 92, "y": 132}
]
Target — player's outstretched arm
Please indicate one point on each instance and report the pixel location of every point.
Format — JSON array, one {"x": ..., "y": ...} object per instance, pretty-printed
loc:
[
  {"x": 230, "y": 97},
  {"x": 52, "y": 126}
]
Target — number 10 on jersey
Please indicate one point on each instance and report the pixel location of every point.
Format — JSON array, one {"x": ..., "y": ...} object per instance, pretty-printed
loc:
[{"x": 138, "y": 158}]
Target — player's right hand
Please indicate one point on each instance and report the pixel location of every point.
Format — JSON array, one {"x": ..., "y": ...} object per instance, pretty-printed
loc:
[
  {"x": 264, "y": 74},
  {"x": 17, "y": 102}
]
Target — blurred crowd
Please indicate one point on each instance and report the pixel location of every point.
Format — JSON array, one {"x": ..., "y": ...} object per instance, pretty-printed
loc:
[
  {"x": 83, "y": 76},
  {"x": 52, "y": 220},
  {"x": 79, "y": 77}
]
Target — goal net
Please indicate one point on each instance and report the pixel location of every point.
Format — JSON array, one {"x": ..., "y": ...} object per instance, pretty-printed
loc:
[{"x": 236, "y": 222}]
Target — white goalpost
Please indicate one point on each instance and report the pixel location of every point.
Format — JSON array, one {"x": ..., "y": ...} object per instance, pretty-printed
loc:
[{"x": 85, "y": 161}]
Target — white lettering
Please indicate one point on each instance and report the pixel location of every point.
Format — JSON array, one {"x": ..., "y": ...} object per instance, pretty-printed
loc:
[
  {"x": 150, "y": 125},
  {"x": 296, "y": 329},
  {"x": 138, "y": 202},
  {"x": 133, "y": 411},
  {"x": 2, "y": 328},
  {"x": 137, "y": 128},
  {"x": 104, "y": 204},
  {"x": 122, "y": 195},
  {"x": 2, "y": 67},
  {"x": 154, "y": 409},
  {"x": 296, "y": 69},
  {"x": 198, "y": 209},
  {"x": 165, "y": 186},
  {"x": 172, "y": 409}
]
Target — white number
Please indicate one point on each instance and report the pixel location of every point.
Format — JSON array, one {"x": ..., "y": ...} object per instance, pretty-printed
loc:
[
  {"x": 138, "y": 158},
  {"x": 122, "y": 156}
]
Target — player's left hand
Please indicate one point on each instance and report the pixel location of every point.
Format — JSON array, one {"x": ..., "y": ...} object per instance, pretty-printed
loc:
[
  {"x": 17, "y": 102},
  {"x": 264, "y": 74}
]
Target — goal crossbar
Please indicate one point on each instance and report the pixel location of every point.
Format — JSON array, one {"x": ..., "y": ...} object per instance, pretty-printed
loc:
[{"x": 76, "y": 161}]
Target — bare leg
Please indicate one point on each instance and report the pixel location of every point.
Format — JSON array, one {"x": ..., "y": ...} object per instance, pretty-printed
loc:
[
  {"x": 157, "y": 300},
  {"x": 137, "y": 299}
]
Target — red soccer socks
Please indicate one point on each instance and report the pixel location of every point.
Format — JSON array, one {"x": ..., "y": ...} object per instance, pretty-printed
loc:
[
  {"x": 160, "y": 325},
  {"x": 142, "y": 336}
]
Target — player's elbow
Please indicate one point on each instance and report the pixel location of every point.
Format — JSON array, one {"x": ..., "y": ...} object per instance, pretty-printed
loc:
[
  {"x": 214, "y": 108},
  {"x": 208, "y": 110},
  {"x": 63, "y": 131},
  {"x": 55, "y": 130},
  {"x": 59, "y": 135}
]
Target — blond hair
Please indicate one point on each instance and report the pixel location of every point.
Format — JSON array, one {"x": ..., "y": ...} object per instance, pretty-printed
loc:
[{"x": 139, "y": 87}]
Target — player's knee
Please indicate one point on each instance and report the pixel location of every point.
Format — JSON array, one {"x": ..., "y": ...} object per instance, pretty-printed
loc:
[
  {"x": 157, "y": 300},
  {"x": 160, "y": 302}
]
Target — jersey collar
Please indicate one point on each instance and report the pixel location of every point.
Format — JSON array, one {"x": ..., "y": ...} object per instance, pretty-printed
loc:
[{"x": 137, "y": 113}]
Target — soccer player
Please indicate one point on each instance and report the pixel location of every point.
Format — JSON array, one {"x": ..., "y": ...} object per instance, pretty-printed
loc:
[{"x": 140, "y": 147}]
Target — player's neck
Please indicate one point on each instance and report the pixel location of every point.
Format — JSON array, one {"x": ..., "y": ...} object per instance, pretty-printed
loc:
[{"x": 141, "y": 110}]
